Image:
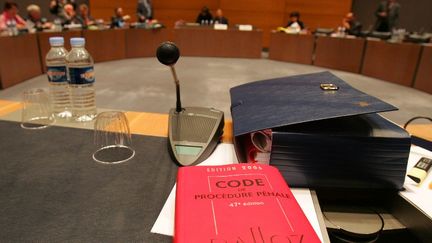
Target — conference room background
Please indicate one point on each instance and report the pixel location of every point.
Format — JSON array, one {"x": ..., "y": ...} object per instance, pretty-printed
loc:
[
  {"x": 414, "y": 14},
  {"x": 266, "y": 15},
  {"x": 43, "y": 4}
]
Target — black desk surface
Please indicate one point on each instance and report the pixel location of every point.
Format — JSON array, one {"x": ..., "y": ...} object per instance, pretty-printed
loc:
[{"x": 51, "y": 190}]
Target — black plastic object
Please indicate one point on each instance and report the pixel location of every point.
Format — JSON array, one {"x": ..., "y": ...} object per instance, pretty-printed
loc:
[
  {"x": 380, "y": 35},
  {"x": 323, "y": 31},
  {"x": 168, "y": 53},
  {"x": 420, "y": 39}
]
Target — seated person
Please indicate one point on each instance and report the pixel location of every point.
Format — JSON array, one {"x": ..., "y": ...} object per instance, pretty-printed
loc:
[
  {"x": 220, "y": 19},
  {"x": 34, "y": 20},
  {"x": 10, "y": 14},
  {"x": 144, "y": 11},
  {"x": 119, "y": 20},
  {"x": 295, "y": 22},
  {"x": 84, "y": 16},
  {"x": 69, "y": 16},
  {"x": 56, "y": 7},
  {"x": 351, "y": 25},
  {"x": 204, "y": 16}
]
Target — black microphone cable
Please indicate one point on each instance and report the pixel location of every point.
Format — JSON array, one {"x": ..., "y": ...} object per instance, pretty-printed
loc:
[
  {"x": 345, "y": 236},
  {"x": 416, "y": 118}
]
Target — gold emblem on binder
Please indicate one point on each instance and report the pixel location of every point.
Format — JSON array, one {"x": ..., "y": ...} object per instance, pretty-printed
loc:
[{"x": 363, "y": 104}]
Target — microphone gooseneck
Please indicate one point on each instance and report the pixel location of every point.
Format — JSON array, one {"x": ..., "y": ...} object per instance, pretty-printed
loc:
[
  {"x": 168, "y": 54},
  {"x": 177, "y": 84}
]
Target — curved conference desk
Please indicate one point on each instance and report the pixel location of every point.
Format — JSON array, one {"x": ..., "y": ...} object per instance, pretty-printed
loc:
[
  {"x": 401, "y": 63},
  {"x": 356, "y": 55},
  {"x": 22, "y": 57}
]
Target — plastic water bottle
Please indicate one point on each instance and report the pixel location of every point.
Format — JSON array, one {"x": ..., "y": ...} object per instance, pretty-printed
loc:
[
  {"x": 57, "y": 25},
  {"x": 57, "y": 76},
  {"x": 81, "y": 81},
  {"x": 12, "y": 28},
  {"x": 9, "y": 28}
]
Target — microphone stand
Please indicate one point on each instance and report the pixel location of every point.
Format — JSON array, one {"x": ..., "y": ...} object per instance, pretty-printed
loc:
[{"x": 177, "y": 84}]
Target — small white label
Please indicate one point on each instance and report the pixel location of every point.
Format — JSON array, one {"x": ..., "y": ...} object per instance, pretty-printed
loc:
[
  {"x": 245, "y": 27},
  {"x": 220, "y": 26}
]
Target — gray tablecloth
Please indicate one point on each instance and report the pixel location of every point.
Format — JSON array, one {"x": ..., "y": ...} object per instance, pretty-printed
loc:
[{"x": 51, "y": 190}]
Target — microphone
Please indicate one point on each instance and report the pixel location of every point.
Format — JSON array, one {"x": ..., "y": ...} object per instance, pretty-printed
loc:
[
  {"x": 193, "y": 132},
  {"x": 168, "y": 53}
]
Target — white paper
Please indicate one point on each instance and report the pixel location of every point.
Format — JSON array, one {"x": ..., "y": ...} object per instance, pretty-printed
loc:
[
  {"x": 304, "y": 198},
  {"x": 220, "y": 26},
  {"x": 165, "y": 222},
  {"x": 419, "y": 195},
  {"x": 223, "y": 155},
  {"x": 245, "y": 27}
]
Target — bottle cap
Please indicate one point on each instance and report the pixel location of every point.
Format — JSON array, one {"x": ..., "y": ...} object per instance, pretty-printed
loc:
[
  {"x": 77, "y": 41},
  {"x": 55, "y": 41}
]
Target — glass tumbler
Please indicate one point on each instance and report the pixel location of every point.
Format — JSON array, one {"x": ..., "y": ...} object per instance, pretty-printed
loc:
[
  {"x": 112, "y": 138},
  {"x": 36, "y": 111}
]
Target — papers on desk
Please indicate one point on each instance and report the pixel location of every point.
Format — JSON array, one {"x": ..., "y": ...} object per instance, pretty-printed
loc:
[
  {"x": 245, "y": 27},
  {"x": 225, "y": 154},
  {"x": 220, "y": 26},
  {"x": 418, "y": 194}
]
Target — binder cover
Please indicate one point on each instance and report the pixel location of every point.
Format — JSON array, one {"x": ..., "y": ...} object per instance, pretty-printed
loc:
[
  {"x": 297, "y": 99},
  {"x": 322, "y": 138}
]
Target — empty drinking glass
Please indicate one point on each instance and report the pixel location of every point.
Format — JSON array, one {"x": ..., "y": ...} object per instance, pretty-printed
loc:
[
  {"x": 36, "y": 110},
  {"x": 113, "y": 138}
]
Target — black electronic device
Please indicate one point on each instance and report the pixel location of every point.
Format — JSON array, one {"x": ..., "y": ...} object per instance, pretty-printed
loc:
[
  {"x": 323, "y": 31},
  {"x": 416, "y": 38},
  {"x": 380, "y": 35},
  {"x": 193, "y": 132}
]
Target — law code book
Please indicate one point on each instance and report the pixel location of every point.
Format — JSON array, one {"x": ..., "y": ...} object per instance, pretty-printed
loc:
[{"x": 242, "y": 203}]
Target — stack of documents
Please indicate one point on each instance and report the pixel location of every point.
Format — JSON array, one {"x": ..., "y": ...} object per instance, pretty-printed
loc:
[{"x": 364, "y": 151}]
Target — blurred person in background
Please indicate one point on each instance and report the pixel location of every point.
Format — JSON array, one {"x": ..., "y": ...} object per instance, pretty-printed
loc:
[
  {"x": 220, "y": 19},
  {"x": 69, "y": 15},
  {"x": 351, "y": 25},
  {"x": 34, "y": 21},
  {"x": 84, "y": 16},
  {"x": 56, "y": 7},
  {"x": 294, "y": 21},
  {"x": 144, "y": 10},
  {"x": 119, "y": 20},
  {"x": 387, "y": 15},
  {"x": 10, "y": 14},
  {"x": 204, "y": 16}
]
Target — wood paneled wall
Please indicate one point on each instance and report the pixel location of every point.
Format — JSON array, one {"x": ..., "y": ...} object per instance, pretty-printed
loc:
[{"x": 264, "y": 14}]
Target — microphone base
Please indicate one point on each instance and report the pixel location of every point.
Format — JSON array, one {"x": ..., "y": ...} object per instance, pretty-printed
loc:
[{"x": 194, "y": 134}]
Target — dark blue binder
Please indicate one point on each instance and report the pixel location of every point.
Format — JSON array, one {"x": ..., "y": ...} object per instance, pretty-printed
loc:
[
  {"x": 322, "y": 138},
  {"x": 297, "y": 99}
]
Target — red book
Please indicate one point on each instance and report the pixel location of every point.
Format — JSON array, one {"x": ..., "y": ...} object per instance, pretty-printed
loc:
[{"x": 240, "y": 203}]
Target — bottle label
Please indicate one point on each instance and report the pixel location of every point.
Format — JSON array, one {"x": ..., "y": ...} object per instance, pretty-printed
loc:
[
  {"x": 81, "y": 75},
  {"x": 57, "y": 74}
]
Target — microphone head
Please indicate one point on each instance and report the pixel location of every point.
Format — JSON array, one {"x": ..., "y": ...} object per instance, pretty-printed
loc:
[{"x": 168, "y": 53}]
